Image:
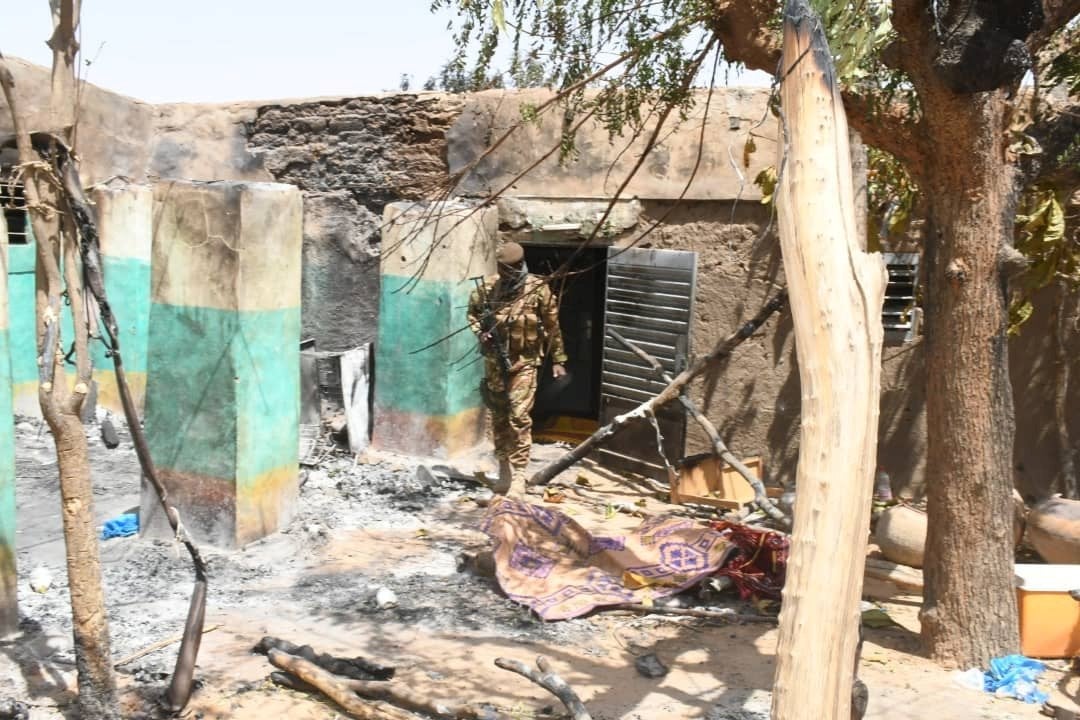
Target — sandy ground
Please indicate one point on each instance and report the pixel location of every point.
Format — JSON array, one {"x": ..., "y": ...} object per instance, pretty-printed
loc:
[{"x": 364, "y": 526}]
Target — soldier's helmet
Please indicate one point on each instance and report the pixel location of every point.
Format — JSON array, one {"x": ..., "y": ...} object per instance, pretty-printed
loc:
[{"x": 510, "y": 254}]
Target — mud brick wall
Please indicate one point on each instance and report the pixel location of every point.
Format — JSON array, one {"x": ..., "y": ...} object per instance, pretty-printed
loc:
[{"x": 350, "y": 158}]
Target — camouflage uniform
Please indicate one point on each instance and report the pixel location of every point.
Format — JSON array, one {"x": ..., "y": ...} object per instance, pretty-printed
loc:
[{"x": 528, "y": 325}]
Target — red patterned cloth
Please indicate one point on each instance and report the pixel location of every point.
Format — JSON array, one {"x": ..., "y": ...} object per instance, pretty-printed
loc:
[{"x": 759, "y": 564}]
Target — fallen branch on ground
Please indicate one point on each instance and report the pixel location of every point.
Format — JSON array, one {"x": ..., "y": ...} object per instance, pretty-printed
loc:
[
  {"x": 722, "y": 350},
  {"x": 761, "y": 499},
  {"x": 728, "y": 617},
  {"x": 550, "y": 681},
  {"x": 347, "y": 682},
  {"x": 155, "y": 647},
  {"x": 400, "y": 695},
  {"x": 336, "y": 688},
  {"x": 356, "y": 668}
]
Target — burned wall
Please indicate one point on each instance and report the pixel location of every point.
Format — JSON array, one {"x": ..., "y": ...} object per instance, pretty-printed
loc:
[
  {"x": 350, "y": 158},
  {"x": 114, "y": 134}
]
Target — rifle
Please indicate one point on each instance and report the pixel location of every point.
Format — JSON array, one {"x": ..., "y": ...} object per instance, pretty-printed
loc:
[{"x": 489, "y": 325}]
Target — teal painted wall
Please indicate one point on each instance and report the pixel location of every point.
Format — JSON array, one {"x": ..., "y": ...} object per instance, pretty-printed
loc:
[
  {"x": 226, "y": 400},
  {"x": 21, "y": 312},
  {"x": 442, "y": 380},
  {"x": 268, "y": 393},
  {"x": 127, "y": 281}
]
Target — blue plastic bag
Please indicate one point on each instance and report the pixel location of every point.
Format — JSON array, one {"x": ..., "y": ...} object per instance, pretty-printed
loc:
[
  {"x": 122, "y": 526},
  {"x": 1014, "y": 676}
]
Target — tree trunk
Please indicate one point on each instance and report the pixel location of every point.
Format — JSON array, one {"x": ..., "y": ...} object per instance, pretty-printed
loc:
[
  {"x": 836, "y": 292},
  {"x": 61, "y": 407},
  {"x": 63, "y": 110},
  {"x": 969, "y": 612}
]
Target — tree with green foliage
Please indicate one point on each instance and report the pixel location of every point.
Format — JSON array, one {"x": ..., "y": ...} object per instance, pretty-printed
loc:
[{"x": 934, "y": 84}]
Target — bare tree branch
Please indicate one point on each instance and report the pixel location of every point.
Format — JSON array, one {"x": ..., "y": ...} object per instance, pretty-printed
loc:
[
  {"x": 550, "y": 681},
  {"x": 889, "y": 130},
  {"x": 743, "y": 26},
  {"x": 65, "y": 47}
]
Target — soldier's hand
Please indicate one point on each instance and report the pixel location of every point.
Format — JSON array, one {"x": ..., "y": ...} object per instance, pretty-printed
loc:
[{"x": 557, "y": 370}]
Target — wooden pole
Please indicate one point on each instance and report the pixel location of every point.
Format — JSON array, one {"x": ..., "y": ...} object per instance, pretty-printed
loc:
[{"x": 836, "y": 290}]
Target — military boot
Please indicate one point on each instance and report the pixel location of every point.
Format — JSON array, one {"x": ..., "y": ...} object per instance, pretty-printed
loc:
[
  {"x": 505, "y": 480},
  {"x": 519, "y": 482}
]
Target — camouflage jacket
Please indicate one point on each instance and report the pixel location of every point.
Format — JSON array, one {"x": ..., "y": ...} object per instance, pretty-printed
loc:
[{"x": 528, "y": 323}]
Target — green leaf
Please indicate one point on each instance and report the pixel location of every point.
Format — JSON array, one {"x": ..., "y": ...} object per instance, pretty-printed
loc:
[
  {"x": 1019, "y": 314},
  {"x": 498, "y": 15},
  {"x": 1055, "y": 223}
]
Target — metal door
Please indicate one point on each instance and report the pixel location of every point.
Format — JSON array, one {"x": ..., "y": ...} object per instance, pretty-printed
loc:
[{"x": 648, "y": 300}]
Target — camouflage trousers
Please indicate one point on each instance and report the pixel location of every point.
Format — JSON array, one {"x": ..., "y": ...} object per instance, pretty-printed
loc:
[{"x": 511, "y": 422}]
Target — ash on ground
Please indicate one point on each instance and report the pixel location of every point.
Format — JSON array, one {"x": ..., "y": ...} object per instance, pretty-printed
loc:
[{"x": 148, "y": 581}]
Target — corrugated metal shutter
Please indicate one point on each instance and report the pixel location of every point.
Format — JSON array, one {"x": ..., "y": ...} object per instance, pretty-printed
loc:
[
  {"x": 649, "y": 299},
  {"x": 896, "y": 312}
]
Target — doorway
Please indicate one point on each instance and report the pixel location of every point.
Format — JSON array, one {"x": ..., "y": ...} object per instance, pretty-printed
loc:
[{"x": 573, "y": 401}]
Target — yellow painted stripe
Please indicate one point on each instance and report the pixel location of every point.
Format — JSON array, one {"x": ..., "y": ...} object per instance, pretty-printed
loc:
[
  {"x": 266, "y": 503},
  {"x": 25, "y": 394},
  {"x": 109, "y": 395}
]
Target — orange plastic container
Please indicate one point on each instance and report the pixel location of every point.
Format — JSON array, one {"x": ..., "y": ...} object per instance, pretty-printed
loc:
[{"x": 1049, "y": 617}]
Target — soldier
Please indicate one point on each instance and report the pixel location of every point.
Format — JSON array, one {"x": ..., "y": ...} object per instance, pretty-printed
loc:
[{"x": 516, "y": 318}]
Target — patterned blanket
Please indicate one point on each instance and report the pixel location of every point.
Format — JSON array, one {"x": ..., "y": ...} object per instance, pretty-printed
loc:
[{"x": 550, "y": 563}]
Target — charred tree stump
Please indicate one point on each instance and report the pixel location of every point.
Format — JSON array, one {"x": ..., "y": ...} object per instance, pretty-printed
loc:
[{"x": 837, "y": 290}]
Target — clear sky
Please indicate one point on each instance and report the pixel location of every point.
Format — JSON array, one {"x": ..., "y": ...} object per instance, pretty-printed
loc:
[{"x": 221, "y": 50}]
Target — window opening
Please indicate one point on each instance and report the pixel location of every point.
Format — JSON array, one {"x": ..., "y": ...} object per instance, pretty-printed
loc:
[{"x": 13, "y": 202}]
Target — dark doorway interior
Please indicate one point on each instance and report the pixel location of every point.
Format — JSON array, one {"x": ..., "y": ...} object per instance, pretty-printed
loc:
[{"x": 581, "y": 316}]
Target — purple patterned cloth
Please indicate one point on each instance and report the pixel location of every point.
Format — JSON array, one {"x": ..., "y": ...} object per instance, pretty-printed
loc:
[{"x": 550, "y": 563}]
